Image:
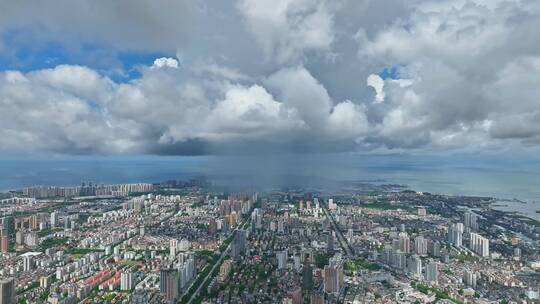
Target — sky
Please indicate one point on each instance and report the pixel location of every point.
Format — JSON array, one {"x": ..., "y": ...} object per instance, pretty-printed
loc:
[{"x": 268, "y": 76}]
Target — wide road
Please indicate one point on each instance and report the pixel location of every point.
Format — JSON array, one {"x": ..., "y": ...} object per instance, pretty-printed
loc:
[
  {"x": 217, "y": 264},
  {"x": 342, "y": 240}
]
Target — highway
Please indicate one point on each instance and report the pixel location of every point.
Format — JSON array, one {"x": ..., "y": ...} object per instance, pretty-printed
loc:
[
  {"x": 217, "y": 264},
  {"x": 342, "y": 240}
]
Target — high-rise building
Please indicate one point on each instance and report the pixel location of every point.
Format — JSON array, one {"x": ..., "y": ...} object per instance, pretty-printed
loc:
[
  {"x": 317, "y": 298},
  {"x": 138, "y": 206},
  {"x": 67, "y": 223},
  {"x": 168, "y": 284},
  {"x": 470, "y": 277},
  {"x": 142, "y": 230},
  {"x": 479, "y": 244},
  {"x": 235, "y": 252},
  {"x": 126, "y": 280},
  {"x": 44, "y": 282},
  {"x": 420, "y": 245},
  {"x": 225, "y": 208},
  {"x": 331, "y": 204},
  {"x": 28, "y": 263},
  {"x": 404, "y": 243},
  {"x": 436, "y": 249},
  {"x": 307, "y": 277},
  {"x": 19, "y": 237},
  {"x": 470, "y": 219},
  {"x": 8, "y": 222},
  {"x": 34, "y": 222},
  {"x": 186, "y": 272},
  {"x": 281, "y": 226},
  {"x": 31, "y": 239},
  {"x": 395, "y": 245},
  {"x": 54, "y": 219},
  {"x": 330, "y": 243},
  {"x": 296, "y": 296},
  {"x": 224, "y": 270},
  {"x": 241, "y": 240},
  {"x": 455, "y": 234},
  {"x": 272, "y": 226},
  {"x": 296, "y": 262},
  {"x": 282, "y": 259},
  {"x": 399, "y": 259},
  {"x": 212, "y": 226},
  {"x": 4, "y": 243},
  {"x": 414, "y": 264},
  {"x": 421, "y": 211},
  {"x": 184, "y": 245},
  {"x": 258, "y": 214},
  {"x": 7, "y": 291},
  {"x": 432, "y": 272},
  {"x": 460, "y": 227},
  {"x": 173, "y": 247},
  {"x": 333, "y": 277}
]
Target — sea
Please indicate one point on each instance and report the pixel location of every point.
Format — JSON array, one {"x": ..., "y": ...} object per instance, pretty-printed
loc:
[{"x": 513, "y": 179}]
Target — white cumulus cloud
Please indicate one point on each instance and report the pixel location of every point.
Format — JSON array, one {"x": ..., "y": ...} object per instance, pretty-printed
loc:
[
  {"x": 377, "y": 83},
  {"x": 165, "y": 62},
  {"x": 285, "y": 29}
]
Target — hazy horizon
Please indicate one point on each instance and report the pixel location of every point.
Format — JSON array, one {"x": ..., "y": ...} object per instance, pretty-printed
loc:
[
  {"x": 439, "y": 95},
  {"x": 435, "y": 173}
]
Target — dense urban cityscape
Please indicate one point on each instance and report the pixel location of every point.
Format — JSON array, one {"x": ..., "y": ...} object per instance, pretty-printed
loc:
[
  {"x": 270, "y": 151},
  {"x": 185, "y": 242}
]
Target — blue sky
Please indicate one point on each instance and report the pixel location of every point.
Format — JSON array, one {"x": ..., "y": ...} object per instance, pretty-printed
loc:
[{"x": 27, "y": 56}]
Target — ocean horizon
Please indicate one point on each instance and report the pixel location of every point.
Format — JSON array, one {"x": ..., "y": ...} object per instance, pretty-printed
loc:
[{"x": 426, "y": 174}]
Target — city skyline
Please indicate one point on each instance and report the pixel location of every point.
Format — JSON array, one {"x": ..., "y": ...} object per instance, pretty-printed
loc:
[{"x": 180, "y": 241}]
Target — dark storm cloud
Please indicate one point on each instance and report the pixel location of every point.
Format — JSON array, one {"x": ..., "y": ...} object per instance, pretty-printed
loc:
[{"x": 144, "y": 25}]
